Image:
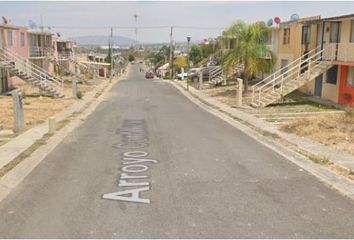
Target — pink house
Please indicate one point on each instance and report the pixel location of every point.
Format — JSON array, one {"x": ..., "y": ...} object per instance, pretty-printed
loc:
[{"x": 14, "y": 38}]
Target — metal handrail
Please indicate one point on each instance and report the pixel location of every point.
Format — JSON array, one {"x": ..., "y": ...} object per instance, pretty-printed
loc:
[
  {"x": 345, "y": 51},
  {"x": 31, "y": 68},
  {"x": 301, "y": 64},
  {"x": 215, "y": 72},
  {"x": 51, "y": 77},
  {"x": 23, "y": 67},
  {"x": 273, "y": 75}
]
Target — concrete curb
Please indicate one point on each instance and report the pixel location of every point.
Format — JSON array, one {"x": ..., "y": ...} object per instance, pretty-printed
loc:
[
  {"x": 331, "y": 179},
  {"x": 16, "y": 146},
  {"x": 11, "y": 179}
]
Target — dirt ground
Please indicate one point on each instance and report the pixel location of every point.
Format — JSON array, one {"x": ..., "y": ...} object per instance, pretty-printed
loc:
[
  {"x": 313, "y": 121},
  {"x": 225, "y": 94},
  {"x": 335, "y": 131},
  {"x": 37, "y": 109}
]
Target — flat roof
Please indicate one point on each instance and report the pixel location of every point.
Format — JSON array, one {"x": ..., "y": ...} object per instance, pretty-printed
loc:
[
  {"x": 300, "y": 20},
  {"x": 347, "y": 16},
  {"x": 9, "y": 26}
]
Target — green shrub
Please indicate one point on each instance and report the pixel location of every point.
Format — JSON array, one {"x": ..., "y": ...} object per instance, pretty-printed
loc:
[{"x": 79, "y": 94}]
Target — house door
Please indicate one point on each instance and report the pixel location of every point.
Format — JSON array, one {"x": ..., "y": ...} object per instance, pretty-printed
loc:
[
  {"x": 318, "y": 85},
  {"x": 319, "y": 34},
  {"x": 3, "y": 81},
  {"x": 335, "y": 35},
  {"x": 0, "y": 41}
]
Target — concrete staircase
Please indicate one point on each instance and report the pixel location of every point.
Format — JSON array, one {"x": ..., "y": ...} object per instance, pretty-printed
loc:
[
  {"x": 60, "y": 63},
  {"x": 31, "y": 73},
  {"x": 217, "y": 77},
  {"x": 293, "y": 76},
  {"x": 216, "y": 55}
]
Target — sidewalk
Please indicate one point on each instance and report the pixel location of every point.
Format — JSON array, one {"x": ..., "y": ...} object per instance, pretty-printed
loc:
[
  {"x": 12, "y": 149},
  {"x": 305, "y": 147}
]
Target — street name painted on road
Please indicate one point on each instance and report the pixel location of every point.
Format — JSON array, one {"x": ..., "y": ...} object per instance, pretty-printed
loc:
[{"x": 133, "y": 176}]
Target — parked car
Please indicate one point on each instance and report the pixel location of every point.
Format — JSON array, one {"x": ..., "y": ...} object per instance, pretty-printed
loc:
[
  {"x": 149, "y": 75},
  {"x": 179, "y": 75},
  {"x": 205, "y": 71},
  {"x": 193, "y": 73}
]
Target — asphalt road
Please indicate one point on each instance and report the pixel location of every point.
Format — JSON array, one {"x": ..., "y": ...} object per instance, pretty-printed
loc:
[{"x": 211, "y": 180}]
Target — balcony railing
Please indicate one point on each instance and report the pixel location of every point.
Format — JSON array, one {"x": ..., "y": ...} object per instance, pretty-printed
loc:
[
  {"x": 65, "y": 54},
  {"x": 344, "y": 52},
  {"x": 39, "y": 51}
]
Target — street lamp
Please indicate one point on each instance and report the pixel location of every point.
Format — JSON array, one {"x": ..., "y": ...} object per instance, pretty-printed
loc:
[{"x": 188, "y": 40}]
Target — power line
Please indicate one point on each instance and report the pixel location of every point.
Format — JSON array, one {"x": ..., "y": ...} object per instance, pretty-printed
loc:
[
  {"x": 137, "y": 27},
  {"x": 200, "y": 28},
  {"x": 106, "y": 27}
]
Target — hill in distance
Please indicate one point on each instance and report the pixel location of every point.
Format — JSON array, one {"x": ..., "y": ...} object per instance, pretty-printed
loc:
[{"x": 100, "y": 40}]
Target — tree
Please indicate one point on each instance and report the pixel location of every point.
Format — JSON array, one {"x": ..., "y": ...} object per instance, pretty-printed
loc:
[
  {"x": 159, "y": 58},
  {"x": 250, "y": 49},
  {"x": 195, "y": 54},
  {"x": 131, "y": 58},
  {"x": 180, "y": 62}
]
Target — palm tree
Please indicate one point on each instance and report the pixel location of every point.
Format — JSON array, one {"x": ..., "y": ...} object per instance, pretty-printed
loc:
[{"x": 250, "y": 49}]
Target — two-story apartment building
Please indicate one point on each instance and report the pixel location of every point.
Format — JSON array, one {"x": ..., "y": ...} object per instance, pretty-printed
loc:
[
  {"x": 292, "y": 39},
  {"x": 65, "y": 53},
  {"x": 15, "y": 39},
  {"x": 40, "y": 48},
  {"x": 337, "y": 84},
  {"x": 334, "y": 36},
  {"x": 24, "y": 57}
]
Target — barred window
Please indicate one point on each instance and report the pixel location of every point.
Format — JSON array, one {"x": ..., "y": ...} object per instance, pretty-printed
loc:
[{"x": 286, "y": 36}]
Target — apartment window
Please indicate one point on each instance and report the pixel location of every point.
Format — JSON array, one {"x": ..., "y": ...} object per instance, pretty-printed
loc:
[
  {"x": 334, "y": 38},
  {"x": 332, "y": 75},
  {"x": 9, "y": 39},
  {"x": 286, "y": 36},
  {"x": 352, "y": 31},
  {"x": 23, "y": 41},
  {"x": 350, "y": 77},
  {"x": 306, "y": 34}
]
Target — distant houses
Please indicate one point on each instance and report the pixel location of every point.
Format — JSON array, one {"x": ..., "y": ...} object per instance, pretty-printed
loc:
[{"x": 35, "y": 57}]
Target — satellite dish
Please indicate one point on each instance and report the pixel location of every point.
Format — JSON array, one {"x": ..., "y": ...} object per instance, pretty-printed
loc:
[
  {"x": 294, "y": 17},
  {"x": 4, "y": 19},
  {"x": 270, "y": 22},
  {"x": 277, "y": 20}
]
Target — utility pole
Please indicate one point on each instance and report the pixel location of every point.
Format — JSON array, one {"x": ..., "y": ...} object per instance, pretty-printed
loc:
[
  {"x": 188, "y": 63},
  {"x": 136, "y": 30},
  {"x": 111, "y": 49},
  {"x": 171, "y": 52}
]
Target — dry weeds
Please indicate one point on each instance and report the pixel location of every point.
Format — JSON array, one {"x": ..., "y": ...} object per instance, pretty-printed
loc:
[
  {"x": 36, "y": 110},
  {"x": 335, "y": 131}
]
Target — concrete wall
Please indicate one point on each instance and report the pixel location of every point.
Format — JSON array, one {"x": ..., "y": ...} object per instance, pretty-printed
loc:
[
  {"x": 295, "y": 48},
  {"x": 329, "y": 91},
  {"x": 16, "y": 48}
]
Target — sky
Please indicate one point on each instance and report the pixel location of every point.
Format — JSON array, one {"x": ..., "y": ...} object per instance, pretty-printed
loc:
[{"x": 207, "y": 19}]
